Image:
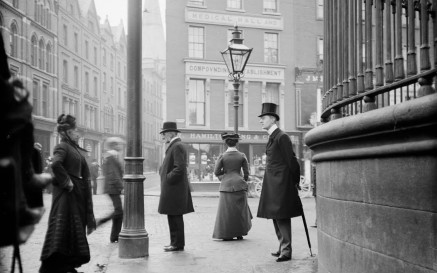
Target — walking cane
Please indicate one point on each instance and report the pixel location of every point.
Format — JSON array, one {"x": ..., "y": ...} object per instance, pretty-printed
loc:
[{"x": 306, "y": 231}]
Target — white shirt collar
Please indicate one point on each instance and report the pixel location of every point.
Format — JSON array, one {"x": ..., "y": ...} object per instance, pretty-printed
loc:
[
  {"x": 232, "y": 149},
  {"x": 272, "y": 129},
  {"x": 173, "y": 139}
]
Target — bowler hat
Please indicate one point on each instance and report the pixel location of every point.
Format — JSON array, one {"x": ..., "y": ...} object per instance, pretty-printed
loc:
[
  {"x": 169, "y": 126},
  {"x": 227, "y": 135},
  {"x": 269, "y": 108}
]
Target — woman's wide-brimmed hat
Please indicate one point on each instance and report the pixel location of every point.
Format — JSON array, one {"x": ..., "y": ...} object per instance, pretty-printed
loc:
[
  {"x": 169, "y": 126},
  {"x": 270, "y": 109},
  {"x": 66, "y": 122},
  {"x": 227, "y": 135}
]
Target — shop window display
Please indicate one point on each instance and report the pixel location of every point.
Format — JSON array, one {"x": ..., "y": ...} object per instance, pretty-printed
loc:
[{"x": 201, "y": 161}]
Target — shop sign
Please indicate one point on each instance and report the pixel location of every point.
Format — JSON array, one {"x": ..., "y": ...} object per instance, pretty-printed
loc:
[
  {"x": 220, "y": 70},
  {"x": 217, "y": 137},
  {"x": 216, "y": 18}
]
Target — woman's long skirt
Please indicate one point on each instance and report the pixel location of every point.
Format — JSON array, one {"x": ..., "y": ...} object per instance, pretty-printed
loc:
[{"x": 233, "y": 216}]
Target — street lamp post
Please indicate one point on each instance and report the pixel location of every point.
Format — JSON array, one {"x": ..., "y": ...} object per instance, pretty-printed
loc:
[
  {"x": 133, "y": 238},
  {"x": 236, "y": 57}
]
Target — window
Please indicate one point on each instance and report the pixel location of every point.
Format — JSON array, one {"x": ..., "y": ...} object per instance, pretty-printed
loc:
[
  {"x": 270, "y": 5},
  {"x": 104, "y": 57},
  {"x": 76, "y": 42},
  {"x": 95, "y": 55},
  {"x": 87, "y": 82},
  {"x": 96, "y": 87},
  {"x": 44, "y": 100},
  {"x": 15, "y": 3},
  {"x": 319, "y": 9},
  {"x": 104, "y": 81},
  {"x": 41, "y": 54},
  {"x": 118, "y": 70},
  {"x": 271, "y": 48},
  {"x": 199, "y": 3},
  {"x": 112, "y": 62},
  {"x": 76, "y": 76},
  {"x": 235, "y": 4},
  {"x": 231, "y": 109},
  {"x": 33, "y": 51},
  {"x": 272, "y": 93},
  {"x": 35, "y": 97},
  {"x": 195, "y": 42},
  {"x": 14, "y": 40},
  {"x": 49, "y": 58},
  {"x": 65, "y": 35},
  {"x": 196, "y": 102},
  {"x": 87, "y": 50},
  {"x": 112, "y": 85},
  {"x": 319, "y": 49},
  {"x": 65, "y": 71}
]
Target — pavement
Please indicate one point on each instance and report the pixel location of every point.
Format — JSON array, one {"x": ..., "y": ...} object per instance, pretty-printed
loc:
[{"x": 202, "y": 253}]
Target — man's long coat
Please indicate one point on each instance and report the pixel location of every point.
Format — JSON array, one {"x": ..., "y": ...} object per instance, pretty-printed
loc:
[
  {"x": 175, "y": 196},
  {"x": 279, "y": 196}
]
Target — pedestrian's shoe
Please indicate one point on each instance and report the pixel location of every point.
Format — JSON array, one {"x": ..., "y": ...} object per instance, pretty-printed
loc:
[
  {"x": 276, "y": 254},
  {"x": 240, "y": 238},
  {"x": 283, "y": 258},
  {"x": 174, "y": 248},
  {"x": 228, "y": 239}
]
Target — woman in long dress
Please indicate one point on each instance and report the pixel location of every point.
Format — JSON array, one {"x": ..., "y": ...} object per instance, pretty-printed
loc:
[
  {"x": 233, "y": 214},
  {"x": 65, "y": 245}
]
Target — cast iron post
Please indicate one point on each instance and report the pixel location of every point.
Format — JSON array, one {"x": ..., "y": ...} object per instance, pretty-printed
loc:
[{"x": 133, "y": 239}]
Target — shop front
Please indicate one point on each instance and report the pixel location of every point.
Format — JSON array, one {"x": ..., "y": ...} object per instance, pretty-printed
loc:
[{"x": 204, "y": 147}]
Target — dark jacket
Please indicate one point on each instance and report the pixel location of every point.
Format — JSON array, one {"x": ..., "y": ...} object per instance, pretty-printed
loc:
[
  {"x": 279, "y": 196},
  {"x": 230, "y": 164},
  {"x": 71, "y": 211},
  {"x": 94, "y": 170},
  {"x": 113, "y": 172},
  {"x": 175, "y": 196}
]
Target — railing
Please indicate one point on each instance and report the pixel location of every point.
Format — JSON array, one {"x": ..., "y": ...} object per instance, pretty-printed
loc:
[{"x": 371, "y": 60}]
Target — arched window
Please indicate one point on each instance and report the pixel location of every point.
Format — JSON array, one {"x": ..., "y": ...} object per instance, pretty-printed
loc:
[
  {"x": 14, "y": 40},
  {"x": 41, "y": 54},
  {"x": 49, "y": 58},
  {"x": 33, "y": 51}
]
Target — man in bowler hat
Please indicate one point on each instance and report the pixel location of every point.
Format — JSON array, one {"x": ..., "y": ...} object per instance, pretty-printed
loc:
[
  {"x": 279, "y": 199},
  {"x": 175, "y": 199}
]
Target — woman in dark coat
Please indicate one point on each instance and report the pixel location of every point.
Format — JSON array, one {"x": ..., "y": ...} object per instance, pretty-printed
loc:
[
  {"x": 233, "y": 214},
  {"x": 66, "y": 246}
]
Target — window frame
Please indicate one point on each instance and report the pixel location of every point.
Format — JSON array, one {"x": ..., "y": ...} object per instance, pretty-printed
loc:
[{"x": 192, "y": 42}]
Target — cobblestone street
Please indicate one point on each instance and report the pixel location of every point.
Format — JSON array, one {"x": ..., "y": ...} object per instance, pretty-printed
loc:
[{"x": 202, "y": 253}]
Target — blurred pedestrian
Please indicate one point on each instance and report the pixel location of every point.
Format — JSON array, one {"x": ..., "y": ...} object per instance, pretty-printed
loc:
[
  {"x": 113, "y": 173},
  {"x": 71, "y": 217},
  {"x": 233, "y": 214},
  {"x": 175, "y": 199},
  {"x": 279, "y": 195},
  {"x": 94, "y": 169}
]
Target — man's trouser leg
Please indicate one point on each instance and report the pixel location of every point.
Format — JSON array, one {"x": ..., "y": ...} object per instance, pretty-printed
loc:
[
  {"x": 283, "y": 232},
  {"x": 176, "y": 226}
]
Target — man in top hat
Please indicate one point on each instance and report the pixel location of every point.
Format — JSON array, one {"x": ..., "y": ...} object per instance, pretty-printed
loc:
[
  {"x": 175, "y": 199},
  {"x": 279, "y": 196}
]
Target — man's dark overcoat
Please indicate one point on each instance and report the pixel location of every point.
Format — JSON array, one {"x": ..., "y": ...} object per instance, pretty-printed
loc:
[
  {"x": 71, "y": 212},
  {"x": 175, "y": 196},
  {"x": 279, "y": 196},
  {"x": 113, "y": 172}
]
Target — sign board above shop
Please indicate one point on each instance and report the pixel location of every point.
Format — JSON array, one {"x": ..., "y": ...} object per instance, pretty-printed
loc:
[
  {"x": 220, "y": 70},
  {"x": 246, "y": 137},
  {"x": 226, "y": 19}
]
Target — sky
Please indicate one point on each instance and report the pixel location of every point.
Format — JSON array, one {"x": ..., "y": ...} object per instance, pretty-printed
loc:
[{"x": 117, "y": 9}]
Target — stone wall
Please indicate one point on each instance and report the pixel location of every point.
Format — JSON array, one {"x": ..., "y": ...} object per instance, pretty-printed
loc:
[{"x": 377, "y": 190}]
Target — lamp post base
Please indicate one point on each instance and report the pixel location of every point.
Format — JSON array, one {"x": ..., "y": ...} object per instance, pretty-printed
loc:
[{"x": 133, "y": 244}]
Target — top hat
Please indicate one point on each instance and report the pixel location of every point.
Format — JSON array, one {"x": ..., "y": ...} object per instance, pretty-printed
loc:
[
  {"x": 269, "y": 108},
  {"x": 169, "y": 126},
  {"x": 230, "y": 136}
]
